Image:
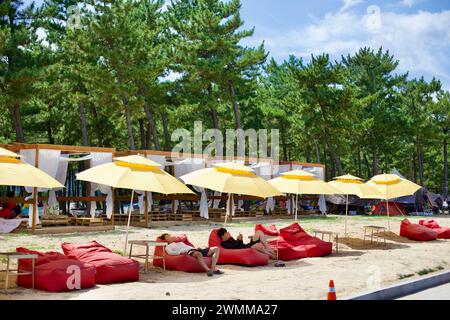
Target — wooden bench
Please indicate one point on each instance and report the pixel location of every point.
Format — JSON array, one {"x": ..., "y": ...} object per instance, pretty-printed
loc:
[
  {"x": 87, "y": 221},
  {"x": 157, "y": 216},
  {"x": 55, "y": 220}
]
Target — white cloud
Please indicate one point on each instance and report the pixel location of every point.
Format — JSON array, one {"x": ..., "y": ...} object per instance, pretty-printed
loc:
[
  {"x": 420, "y": 41},
  {"x": 408, "y": 3},
  {"x": 351, "y": 3}
]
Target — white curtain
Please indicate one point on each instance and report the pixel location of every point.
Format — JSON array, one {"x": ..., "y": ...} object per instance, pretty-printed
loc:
[
  {"x": 290, "y": 204},
  {"x": 322, "y": 204},
  {"x": 158, "y": 159},
  {"x": 61, "y": 176},
  {"x": 270, "y": 204},
  {"x": 49, "y": 163},
  {"x": 99, "y": 158},
  {"x": 141, "y": 201},
  {"x": 204, "y": 205}
]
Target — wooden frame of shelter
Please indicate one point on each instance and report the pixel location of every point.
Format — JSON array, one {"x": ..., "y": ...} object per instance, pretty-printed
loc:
[
  {"x": 179, "y": 156},
  {"x": 16, "y": 147}
]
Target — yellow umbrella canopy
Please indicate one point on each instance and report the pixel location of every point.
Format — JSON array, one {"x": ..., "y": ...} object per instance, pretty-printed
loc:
[
  {"x": 7, "y": 153},
  {"x": 135, "y": 173},
  {"x": 390, "y": 186},
  {"x": 231, "y": 178},
  {"x": 301, "y": 182},
  {"x": 14, "y": 172},
  {"x": 351, "y": 185}
]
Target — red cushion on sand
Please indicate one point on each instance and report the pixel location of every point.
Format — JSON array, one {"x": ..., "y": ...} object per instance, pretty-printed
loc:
[
  {"x": 297, "y": 237},
  {"x": 416, "y": 232},
  {"x": 245, "y": 257},
  {"x": 110, "y": 267},
  {"x": 54, "y": 272},
  {"x": 443, "y": 232},
  {"x": 182, "y": 262},
  {"x": 286, "y": 251},
  {"x": 269, "y": 231}
]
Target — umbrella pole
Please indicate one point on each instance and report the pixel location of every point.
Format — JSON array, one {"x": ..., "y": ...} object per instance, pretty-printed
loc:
[
  {"x": 387, "y": 208},
  {"x": 35, "y": 209},
  {"x": 346, "y": 215},
  {"x": 228, "y": 207},
  {"x": 296, "y": 205},
  {"x": 128, "y": 224}
]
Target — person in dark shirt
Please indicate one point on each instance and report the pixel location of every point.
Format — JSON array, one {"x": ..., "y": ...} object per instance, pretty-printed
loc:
[{"x": 257, "y": 242}]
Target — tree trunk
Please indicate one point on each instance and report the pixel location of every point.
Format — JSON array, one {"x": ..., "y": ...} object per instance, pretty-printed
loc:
[
  {"x": 339, "y": 166},
  {"x": 167, "y": 144},
  {"x": 237, "y": 114},
  {"x": 411, "y": 169},
  {"x": 84, "y": 129},
  {"x": 333, "y": 167},
  {"x": 17, "y": 120},
  {"x": 308, "y": 154},
  {"x": 148, "y": 137},
  {"x": 385, "y": 163},
  {"x": 414, "y": 168},
  {"x": 150, "y": 117},
  {"x": 283, "y": 143},
  {"x": 419, "y": 160},
  {"x": 142, "y": 133},
  {"x": 327, "y": 177},
  {"x": 51, "y": 140},
  {"x": 316, "y": 148},
  {"x": 131, "y": 143},
  {"x": 359, "y": 162},
  {"x": 445, "y": 166},
  {"x": 366, "y": 160},
  {"x": 375, "y": 160},
  {"x": 98, "y": 128}
]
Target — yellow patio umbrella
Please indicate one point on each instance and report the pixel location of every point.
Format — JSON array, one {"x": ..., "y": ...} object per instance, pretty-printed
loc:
[
  {"x": 135, "y": 173},
  {"x": 349, "y": 184},
  {"x": 390, "y": 186},
  {"x": 301, "y": 182},
  {"x": 231, "y": 178},
  {"x": 15, "y": 172}
]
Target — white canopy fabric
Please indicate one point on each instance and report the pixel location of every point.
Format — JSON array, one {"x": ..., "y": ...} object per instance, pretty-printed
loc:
[
  {"x": 49, "y": 163},
  {"x": 99, "y": 158}
]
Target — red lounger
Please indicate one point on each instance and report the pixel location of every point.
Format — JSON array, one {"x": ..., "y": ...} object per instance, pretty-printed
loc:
[
  {"x": 110, "y": 267},
  {"x": 443, "y": 232},
  {"x": 245, "y": 257},
  {"x": 286, "y": 251},
  {"x": 54, "y": 272},
  {"x": 297, "y": 237},
  {"x": 182, "y": 262},
  {"x": 416, "y": 232}
]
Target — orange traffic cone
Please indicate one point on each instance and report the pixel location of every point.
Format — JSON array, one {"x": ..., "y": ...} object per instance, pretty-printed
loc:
[{"x": 331, "y": 291}]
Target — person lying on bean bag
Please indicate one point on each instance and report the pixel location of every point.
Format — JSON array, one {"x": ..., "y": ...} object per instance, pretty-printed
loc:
[
  {"x": 443, "y": 232},
  {"x": 258, "y": 242},
  {"x": 176, "y": 248}
]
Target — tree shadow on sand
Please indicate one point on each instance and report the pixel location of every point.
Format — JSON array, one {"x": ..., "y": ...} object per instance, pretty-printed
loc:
[{"x": 360, "y": 244}]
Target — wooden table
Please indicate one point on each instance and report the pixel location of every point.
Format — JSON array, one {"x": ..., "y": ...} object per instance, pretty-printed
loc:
[
  {"x": 17, "y": 255},
  {"x": 330, "y": 237},
  {"x": 146, "y": 256},
  {"x": 369, "y": 232}
]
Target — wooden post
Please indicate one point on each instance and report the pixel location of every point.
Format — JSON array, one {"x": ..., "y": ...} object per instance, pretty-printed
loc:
[
  {"x": 146, "y": 209},
  {"x": 113, "y": 205},
  {"x": 35, "y": 194}
]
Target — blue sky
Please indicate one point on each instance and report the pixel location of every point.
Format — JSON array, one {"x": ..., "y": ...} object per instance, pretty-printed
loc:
[{"x": 417, "y": 32}]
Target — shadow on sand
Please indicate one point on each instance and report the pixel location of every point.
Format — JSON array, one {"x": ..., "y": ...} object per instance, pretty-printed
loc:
[{"x": 360, "y": 244}]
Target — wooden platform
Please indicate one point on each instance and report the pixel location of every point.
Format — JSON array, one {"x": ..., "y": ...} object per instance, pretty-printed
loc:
[
  {"x": 55, "y": 220},
  {"x": 77, "y": 221},
  {"x": 67, "y": 229}
]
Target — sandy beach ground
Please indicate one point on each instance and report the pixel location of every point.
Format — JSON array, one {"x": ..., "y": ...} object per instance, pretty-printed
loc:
[{"x": 355, "y": 269}]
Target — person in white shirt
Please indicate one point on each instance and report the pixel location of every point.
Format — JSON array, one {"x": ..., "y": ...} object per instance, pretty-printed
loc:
[{"x": 178, "y": 248}]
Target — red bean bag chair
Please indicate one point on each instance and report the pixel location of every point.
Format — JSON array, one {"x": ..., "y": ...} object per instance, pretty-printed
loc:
[
  {"x": 110, "y": 267},
  {"x": 297, "y": 237},
  {"x": 443, "y": 232},
  {"x": 54, "y": 272},
  {"x": 182, "y": 262},
  {"x": 416, "y": 232},
  {"x": 7, "y": 211},
  {"x": 244, "y": 257},
  {"x": 286, "y": 251}
]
